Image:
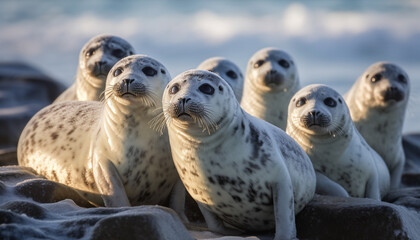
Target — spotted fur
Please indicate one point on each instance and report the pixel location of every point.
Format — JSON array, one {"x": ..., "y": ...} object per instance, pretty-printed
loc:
[
  {"x": 64, "y": 141},
  {"x": 377, "y": 103},
  {"x": 320, "y": 122},
  {"x": 234, "y": 170}
]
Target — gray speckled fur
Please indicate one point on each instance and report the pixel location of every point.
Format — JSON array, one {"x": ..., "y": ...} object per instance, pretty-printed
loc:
[
  {"x": 337, "y": 150},
  {"x": 381, "y": 122},
  {"x": 235, "y": 170},
  {"x": 62, "y": 140}
]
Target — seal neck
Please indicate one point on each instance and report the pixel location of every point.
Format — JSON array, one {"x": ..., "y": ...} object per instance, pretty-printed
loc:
[{"x": 89, "y": 88}]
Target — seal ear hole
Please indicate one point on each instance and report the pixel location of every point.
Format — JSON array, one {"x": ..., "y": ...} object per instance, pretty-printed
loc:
[
  {"x": 284, "y": 63},
  {"x": 149, "y": 71},
  {"x": 206, "y": 89},
  {"x": 402, "y": 79},
  {"x": 118, "y": 53},
  {"x": 221, "y": 88},
  {"x": 163, "y": 71},
  {"x": 377, "y": 77},
  {"x": 258, "y": 63},
  {"x": 339, "y": 100},
  {"x": 232, "y": 74},
  {"x": 300, "y": 102},
  {"x": 130, "y": 52},
  {"x": 330, "y": 102},
  {"x": 174, "y": 89},
  {"x": 117, "y": 72},
  {"x": 294, "y": 99},
  {"x": 367, "y": 76}
]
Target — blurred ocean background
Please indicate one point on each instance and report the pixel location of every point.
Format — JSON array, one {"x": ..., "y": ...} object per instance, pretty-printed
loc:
[{"x": 332, "y": 41}]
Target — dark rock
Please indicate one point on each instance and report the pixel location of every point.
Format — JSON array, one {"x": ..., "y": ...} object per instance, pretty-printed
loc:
[
  {"x": 408, "y": 197},
  {"x": 24, "y": 90},
  {"x": 411, "y": 174},
  {"x": 8, "y": 156},
  {"x": 327, "y": 217}
]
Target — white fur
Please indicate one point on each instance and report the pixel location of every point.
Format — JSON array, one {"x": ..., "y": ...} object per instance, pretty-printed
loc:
[
  {"x": 90, "y": 83},
  {"x": 239, "y": 168},
  {"x": 222, "y": 66},
  {"x": 380, "y": 122},
  {"x": 269, "y": 102},
  {"x": 105, "y": 149},
  {"x": 336, "y": 149}
]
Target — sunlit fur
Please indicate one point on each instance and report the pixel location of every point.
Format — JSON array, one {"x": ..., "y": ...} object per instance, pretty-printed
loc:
[
  {"x": 269, "y": 87},
  {"x": 96, "y": 58},
  {"x": 337, "y": 150},
  {"x": 378, "y": 116}
]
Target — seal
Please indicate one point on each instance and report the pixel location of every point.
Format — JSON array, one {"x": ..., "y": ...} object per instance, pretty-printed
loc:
[
  {"x": 238, "y": 168},
  {"x": 106, "y": 148},
  {"x": 320, "y": 122},
  {"x": 228, "y": 70},
  {"x": 377, "y": 102},
  {"x": 270, "y": 82},
  {"x": 96, "y": 58}
]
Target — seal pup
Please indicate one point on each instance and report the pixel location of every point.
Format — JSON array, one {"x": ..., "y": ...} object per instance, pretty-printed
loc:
[
  {"x": 96, "y": 58},
  {"x": 107, "y": 148},
  {"x": 239, "y": 169},
  {"x": 228, "y": 70},
  {"x": 320, "y": 122},
  {"x": 270, "y": 82},
  {"x": 377, "y": 102}
]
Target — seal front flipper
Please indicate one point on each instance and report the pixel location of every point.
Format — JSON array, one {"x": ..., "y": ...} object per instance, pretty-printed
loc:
[
  {"x": 214, "y": 223},
  {"x": 372, "y": 188},
  {"x": 177, "y": 200},
  {"x": 326, "y": 186},
  {"x": 109, "y": 183}
]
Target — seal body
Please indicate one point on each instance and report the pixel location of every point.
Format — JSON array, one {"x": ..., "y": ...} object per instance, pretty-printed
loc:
[
  {"x": 243, "y": 170},
  {"x": 320, "y": 122},
  {"x": 377, "y": 102},
  {"x": 270, "y": 82},
  {"x": 228, "y": 70},
  {"x": 106, "y": 149},
  {"x": 96, "y": 58}
]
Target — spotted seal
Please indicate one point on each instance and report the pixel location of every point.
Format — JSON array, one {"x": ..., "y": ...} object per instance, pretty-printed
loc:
[
  {"x": 377, "y": 102},
  {"x": 238, "y": 168},
  {"x": 107, "y": 149},
  {"x": 270, "y": 82},
  {"x": 320, "y": 122},
  {"x": 96, "y": 58},
  {"x": 228, "y": 70}
]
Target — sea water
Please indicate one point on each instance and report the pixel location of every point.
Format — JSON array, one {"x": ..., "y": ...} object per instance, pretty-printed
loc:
[{"x": 332, "y": 42}]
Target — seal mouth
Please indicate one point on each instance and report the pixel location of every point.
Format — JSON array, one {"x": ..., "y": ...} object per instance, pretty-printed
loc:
[
  {"x": 184, "y": 115},
  {"x": 128, "y": 94}
]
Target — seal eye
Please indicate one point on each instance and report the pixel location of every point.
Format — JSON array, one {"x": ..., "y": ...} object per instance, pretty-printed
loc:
[
  {"x": 118, "y": 53},
  {"x": 206, "y": 89},
  {"x": 90, "y": 52},
  {"x": 232, "y": 74},
  {"x": 402, "y": 79},
  {"x": 258, "y": 63},
  {"x": 330, "y": 102},
  {"x": 149, "y": 71},
  {"x": 163, "y": 71},
  {"x": 376, "y": 78},
  {"x": 284, "y": 63},
  {"x": 174, "y": 89},
  {"x": 117, "y": 72},
  {"x": 300, "y": 102}
]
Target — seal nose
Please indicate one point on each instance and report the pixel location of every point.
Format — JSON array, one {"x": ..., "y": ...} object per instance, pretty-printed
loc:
[
  {"x": 101, "y": 63},
  {"x": 183, "y": 100},
  {"x": 314, "y": 113},
  {"x": 273, "y": 71},
  {"x": 393, "y": 93},
  {"x": 127, "y": 81}
]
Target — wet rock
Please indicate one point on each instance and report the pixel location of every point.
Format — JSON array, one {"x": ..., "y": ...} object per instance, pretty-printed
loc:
[
  {"x": 327, "y": 217},
  {"x": 24, "y": 90}
]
